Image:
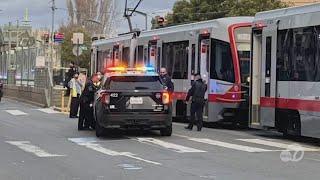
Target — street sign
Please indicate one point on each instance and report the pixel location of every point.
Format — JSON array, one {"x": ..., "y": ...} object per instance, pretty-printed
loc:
[
  {"x": 84, "y": 48},
  {"x": 77, "y": 51},
  {"x": 78, "y": 38},
  {"x": 59, "y": 37}
]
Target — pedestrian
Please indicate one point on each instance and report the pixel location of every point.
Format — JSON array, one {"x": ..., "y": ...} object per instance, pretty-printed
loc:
[
  {"x": 166, "y": 80},
  {"x": 86, "y": 118},
  {"x": 197, "y": 92},
  {"x": 75, "y": 89},
  {"x": 69, "y": 75}
]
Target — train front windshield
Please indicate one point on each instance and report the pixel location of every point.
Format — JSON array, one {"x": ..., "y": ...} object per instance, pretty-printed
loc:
[{"x": 243, "y": 37}]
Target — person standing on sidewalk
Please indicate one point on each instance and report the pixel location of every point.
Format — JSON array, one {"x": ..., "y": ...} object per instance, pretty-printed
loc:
[
  {"x": 197, "y": 92},
  {"x": 75, "y": 90}
]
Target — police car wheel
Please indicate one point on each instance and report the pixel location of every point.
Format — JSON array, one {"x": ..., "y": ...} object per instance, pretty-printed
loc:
[
  {"x": 99, "y": 130},
  {"x": 166, "y": 131}
]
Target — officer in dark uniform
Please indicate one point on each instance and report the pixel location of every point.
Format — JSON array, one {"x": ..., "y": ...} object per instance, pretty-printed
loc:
[
  {"x": 166, "y": 80},
  {"x": 69, "y": 75},
  {"x": 86, "y": 119},
  {"x": 197, "y": 92}
]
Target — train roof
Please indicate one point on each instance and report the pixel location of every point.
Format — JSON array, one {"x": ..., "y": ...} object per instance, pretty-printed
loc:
[
  {"x": 221, "y": 22},
  {"x": 215, "y": 23},
  {"x": 311, "y": 8}
]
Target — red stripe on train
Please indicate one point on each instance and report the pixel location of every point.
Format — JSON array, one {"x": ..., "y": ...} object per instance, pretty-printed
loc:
[{"x": 295, "y": 104}]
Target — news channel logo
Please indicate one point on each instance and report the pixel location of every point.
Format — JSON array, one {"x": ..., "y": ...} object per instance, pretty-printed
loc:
[{"x": 293, "y": 153}]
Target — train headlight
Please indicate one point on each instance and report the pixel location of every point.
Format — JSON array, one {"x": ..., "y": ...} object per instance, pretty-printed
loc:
[{"x": 248, "y": 79}]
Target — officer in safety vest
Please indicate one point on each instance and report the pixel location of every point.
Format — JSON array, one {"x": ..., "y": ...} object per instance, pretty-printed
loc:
[
  {"x": 75, "y": 90},
  {"x": 197, "y": 92}
]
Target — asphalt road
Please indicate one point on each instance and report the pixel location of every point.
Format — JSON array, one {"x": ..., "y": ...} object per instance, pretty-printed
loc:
[{"x": 40, "y": 144}]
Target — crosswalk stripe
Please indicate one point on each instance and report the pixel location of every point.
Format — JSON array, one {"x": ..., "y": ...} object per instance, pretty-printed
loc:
[
  {"x": 16, "y": 112},
  {"x": 229, "y": 145},
  {"x": 226, "y": 144},
  {"x": 279, "y": 145},
  {"x": 168, "y": 145},
  {"x": 48, "y": 111},
  {"x": 28, "y": 147},
  {"x": 91, "y": 143}
]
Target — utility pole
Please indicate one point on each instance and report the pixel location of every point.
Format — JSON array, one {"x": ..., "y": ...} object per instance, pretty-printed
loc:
[
  {"x": 9, "y": 31},
  {"x": 50, "y": 64}
]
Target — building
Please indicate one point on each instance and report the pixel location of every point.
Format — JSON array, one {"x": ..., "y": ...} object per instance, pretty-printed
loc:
[{"x": 300, "y": 2}]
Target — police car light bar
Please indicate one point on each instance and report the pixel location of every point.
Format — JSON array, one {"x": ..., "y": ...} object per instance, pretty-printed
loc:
[
  {"x": 137, "y": 69},
  {"x": 116, "y": 69}
]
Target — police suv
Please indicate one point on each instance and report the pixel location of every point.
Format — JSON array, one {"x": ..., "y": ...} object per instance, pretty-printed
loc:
[{"x": 133, "y": 98}]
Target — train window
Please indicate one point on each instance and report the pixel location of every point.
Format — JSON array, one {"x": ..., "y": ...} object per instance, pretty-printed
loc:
[
  {"x": 158, "y": 58},
  {"x": 104, "y": 59},
  {"x": 139, "y": 55},
  {"x": 125, "y": 56},
  {"x": 243, "y": 42},
  {"x": 268, "y": 65},
  {"x": 175, "y": 59},
  {"x": 145, "y": 56},
  {"x": 193, "y": 60},
  {"x": 221, "y": 66},
  {"x": 298, "y": 54}
]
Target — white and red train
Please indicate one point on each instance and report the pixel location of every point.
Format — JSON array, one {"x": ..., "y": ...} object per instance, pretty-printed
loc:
[
  {"x": 218, "y": 49},
  {"x": 265, "y": 69}
]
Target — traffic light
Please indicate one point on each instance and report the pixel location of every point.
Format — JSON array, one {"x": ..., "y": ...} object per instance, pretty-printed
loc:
[
  {"x": 46, "y": 37},
  {"x": 160, "y": 21}
]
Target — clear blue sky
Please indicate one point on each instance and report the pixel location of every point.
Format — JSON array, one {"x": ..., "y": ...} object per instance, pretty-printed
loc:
[{"x": 40, "y": 13}]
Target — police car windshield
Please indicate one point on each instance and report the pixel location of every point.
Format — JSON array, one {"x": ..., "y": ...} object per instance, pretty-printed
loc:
[{"x": 134, "y": 83}]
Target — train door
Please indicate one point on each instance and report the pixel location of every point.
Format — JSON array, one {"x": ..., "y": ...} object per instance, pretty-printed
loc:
[
  {"x": 268, "y": 74},
  {"x": 255, "y": 88},
  {"x": 203, "y": 64},
  {"x": 116, "y": 56},
  {"x": 154, "y": 55}
]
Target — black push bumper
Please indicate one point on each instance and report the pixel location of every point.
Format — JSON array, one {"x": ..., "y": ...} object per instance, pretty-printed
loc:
[{"x": 136, "y": 120}]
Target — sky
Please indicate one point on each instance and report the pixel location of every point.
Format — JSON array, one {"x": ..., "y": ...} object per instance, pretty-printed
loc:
[{"x": 40, "y": 12}]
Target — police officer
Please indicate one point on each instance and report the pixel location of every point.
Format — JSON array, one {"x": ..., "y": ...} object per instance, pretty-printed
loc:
[
  {"x": 197, "y": 92},
  {"x": 76, "y": 88},
  {"x": 166, "y": 80},
  {"x": 86, "y": 119},
  {"x": 69, "y": 75}
]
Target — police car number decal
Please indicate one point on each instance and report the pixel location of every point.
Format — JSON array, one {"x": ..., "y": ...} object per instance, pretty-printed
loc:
[{"x": 114, "y": 95}]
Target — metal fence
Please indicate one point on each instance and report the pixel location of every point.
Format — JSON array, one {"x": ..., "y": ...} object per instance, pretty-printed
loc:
[{"x": 22, "y": 62}]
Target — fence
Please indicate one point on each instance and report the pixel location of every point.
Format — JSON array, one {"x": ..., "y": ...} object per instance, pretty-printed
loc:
[{"x": 19, "y": 68}]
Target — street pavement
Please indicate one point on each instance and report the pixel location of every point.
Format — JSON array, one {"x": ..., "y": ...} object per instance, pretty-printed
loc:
[{"x": 42, "y": 144}]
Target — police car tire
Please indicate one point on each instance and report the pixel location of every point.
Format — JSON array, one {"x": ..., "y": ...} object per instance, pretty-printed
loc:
[
  {"x": 166, "y": 131},
  {"x": 99, "y": 130}
]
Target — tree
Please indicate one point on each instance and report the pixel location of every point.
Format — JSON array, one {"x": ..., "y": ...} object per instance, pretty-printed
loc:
[
  {"x": 97, "y": 16},
  {"x": 67, "y": 46},
  {"x": 251, "y": 7},
  {"x": 186, "y": 11}
]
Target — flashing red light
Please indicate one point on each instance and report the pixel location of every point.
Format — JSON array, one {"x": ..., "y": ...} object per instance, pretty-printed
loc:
[
  {"x": 205, "y": 32},
  {"x": 204, "y": 49},
  {"x": 155, "y": 38},
  {"x": 260, "y": 25},
  {"x": 153, "y": 52}
]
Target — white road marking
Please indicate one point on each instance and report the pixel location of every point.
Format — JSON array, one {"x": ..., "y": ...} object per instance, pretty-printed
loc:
[
  {"x": 171, "y": 146},
  {"x": 91, "y": 143},
  {"x": 227, "y": 145},
  {"x": 16, "y": 112},
  {"x": 28, "y": 147},
  {"x": 48, "y": 111},
  {"x": 277, "y": 144}
]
